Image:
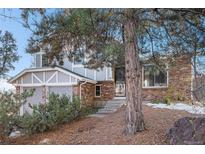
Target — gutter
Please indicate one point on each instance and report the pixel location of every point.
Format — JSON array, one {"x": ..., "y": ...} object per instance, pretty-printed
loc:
[{"x": 81, "y": 89}]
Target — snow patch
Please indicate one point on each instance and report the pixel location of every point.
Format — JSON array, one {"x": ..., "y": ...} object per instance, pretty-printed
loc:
[
  {"x": 179, "y": 106},
  {"x": 6, "y": 87}
]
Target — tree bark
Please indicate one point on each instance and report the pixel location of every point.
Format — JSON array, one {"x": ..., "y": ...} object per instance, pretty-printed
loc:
[{"x": 134, "y": 116}]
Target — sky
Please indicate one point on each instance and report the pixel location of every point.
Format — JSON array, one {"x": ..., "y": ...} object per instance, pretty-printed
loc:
[{"x": 21, "y": 35}]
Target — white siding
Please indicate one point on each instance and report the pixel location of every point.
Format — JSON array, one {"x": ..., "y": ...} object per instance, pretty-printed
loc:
[
  {"x": 79, "y": 70},
  {"x": 101, "y": 75},
  {"x": 27, "y": 78},
  {"x": 67, "y": 64},
  {"x": 63, "y": 77},
  {"x": 49, "y": 74},
  {"x": 53, "y": 80},
  {"x": 90, "y": 73},
  {"x": 39, "y": 75}
]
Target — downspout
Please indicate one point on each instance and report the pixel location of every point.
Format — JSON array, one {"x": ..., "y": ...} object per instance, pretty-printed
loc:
[{"x": 81, "y": 92}]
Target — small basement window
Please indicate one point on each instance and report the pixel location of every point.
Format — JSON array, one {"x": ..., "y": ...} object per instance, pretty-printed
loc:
[{"x": 98, "y": 90}]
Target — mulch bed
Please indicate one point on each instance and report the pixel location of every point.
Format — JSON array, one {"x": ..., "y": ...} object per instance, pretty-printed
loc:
[{"x": 109, "y": 129}]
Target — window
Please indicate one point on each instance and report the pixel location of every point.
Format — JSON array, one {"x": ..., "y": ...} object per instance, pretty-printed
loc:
[
  {"x": 38, "y": 60},
  {"x": 154, "y": 77},
  {"x": 44, "y": 60},
  {"x": 79, "y": 57},
  {"x": 98, "y": 90},
  {"x": 79, "y": 61},
  {"x": 61, "y": 60}
]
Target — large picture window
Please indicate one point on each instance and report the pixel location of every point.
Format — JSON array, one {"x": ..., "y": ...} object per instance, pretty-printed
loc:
[{"x": 154, "y": 77}]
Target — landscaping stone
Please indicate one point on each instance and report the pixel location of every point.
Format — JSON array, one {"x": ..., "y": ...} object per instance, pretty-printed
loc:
[
  {"x": 46, "y": 141},
  {"x": 15, "y": 134},
  {"x": 187, "y": 130}
]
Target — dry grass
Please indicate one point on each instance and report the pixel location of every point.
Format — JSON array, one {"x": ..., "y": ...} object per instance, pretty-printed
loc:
[{"x": 109, "y": 129}]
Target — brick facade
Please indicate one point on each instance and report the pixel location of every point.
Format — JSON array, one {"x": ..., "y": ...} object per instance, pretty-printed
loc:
[
  {"x": 179, "y": 86},
  {"x": 87, "y": 93},
  {"x": 107, "y": 90},
  {"x": 179, "y": 82}
]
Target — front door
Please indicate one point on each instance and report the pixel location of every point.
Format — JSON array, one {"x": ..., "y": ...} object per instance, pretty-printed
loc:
[{"x": 120, "y": 82}]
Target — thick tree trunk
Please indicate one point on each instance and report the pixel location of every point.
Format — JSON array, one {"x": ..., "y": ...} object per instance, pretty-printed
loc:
[{"x": 134, "y": 116}]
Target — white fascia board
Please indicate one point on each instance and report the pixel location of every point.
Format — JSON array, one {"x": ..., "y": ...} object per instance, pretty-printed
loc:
[{"x": 47, "y": 84}]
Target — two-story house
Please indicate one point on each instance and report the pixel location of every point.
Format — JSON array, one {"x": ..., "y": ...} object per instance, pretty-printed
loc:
[{"x": 70, "y": 77}]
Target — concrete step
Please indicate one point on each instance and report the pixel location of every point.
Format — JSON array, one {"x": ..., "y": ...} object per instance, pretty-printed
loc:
[
  {"x": 106, "y": 111},
  {"x": 97, "y": 115},
  {"x": 119, "y": 98},
  {"x": 111, "y": 106},
  {"x": 116, "y": 102}
]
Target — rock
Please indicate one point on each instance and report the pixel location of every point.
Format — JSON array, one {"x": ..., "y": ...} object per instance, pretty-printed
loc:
[
  {"x": 15, "y": 134},
  {"x": 46, "y": 141},
  {"x": 187, "y": 130}
]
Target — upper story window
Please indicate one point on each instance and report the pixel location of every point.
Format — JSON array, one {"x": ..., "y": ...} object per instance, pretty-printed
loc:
[
  {"x": 41, "y": 60},
  {"x": 37, "y": 60},
  {"x": 154, "y": 77},
  {"x": 45, "y": 62},
  {"x": 78, "y": 60},
  {"x": 79, "y": 57}
]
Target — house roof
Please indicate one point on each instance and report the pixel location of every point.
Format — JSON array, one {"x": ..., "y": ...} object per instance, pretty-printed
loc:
[
  {"x": 72, "y": 72},
  {"x": 58, "y": 68}
]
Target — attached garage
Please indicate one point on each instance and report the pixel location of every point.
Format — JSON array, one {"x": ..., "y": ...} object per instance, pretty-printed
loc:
[
  {"x": 63, "y": 90},
  {"x": 45, "y": 81},
  {"x": 36, "y": 99}
]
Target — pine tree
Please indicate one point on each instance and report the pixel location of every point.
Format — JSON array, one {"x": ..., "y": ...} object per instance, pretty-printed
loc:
[
  {"x": 8, "y": 54},
  {"x": 111, "y": 36}
]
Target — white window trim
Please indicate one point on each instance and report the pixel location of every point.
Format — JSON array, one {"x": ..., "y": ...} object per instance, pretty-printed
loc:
[
  {"x": 35, "y": 58},
  {"x": 41, "y": 61},
  {"x": 154, "y": 87},
  {"x": 100, "y": 90}
]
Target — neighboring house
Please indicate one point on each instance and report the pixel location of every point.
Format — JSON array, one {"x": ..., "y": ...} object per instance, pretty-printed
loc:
[
  {"x": 6, "y": 87},
  {"x": 72, "y": 78}
]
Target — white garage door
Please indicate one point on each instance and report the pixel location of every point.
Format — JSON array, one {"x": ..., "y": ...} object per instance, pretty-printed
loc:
[
  {"x": 35, "y": 99},
  {"x": 63, "y": 90}
]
